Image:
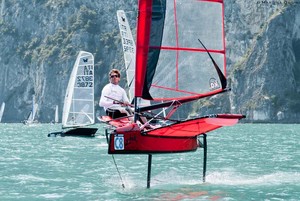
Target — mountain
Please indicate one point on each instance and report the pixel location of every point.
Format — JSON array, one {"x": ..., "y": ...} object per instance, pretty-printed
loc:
[{"x": 40, "y": 40}]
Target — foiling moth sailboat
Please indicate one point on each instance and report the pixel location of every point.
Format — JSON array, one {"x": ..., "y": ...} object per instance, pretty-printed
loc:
[
  {"x": 180, "y": 58},
  {"x": 78, "y": 111}
]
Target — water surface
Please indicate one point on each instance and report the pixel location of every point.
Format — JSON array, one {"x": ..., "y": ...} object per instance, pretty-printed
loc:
[{"x": 245, "y": 162}]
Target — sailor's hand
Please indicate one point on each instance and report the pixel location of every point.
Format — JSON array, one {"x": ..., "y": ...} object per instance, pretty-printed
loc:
[{"x": 124, "y": 104}]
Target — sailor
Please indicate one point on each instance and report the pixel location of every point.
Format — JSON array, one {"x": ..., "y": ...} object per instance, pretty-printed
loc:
[{"x": 113, "y": 98}]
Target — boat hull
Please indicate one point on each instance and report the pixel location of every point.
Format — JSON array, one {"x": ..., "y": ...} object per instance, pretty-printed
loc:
[
  {"x": 81, "y": 132},
  {"x": 131, "y": 140}
]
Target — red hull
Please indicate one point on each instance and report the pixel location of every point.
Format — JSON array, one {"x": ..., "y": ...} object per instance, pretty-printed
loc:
[{"x": 130, "y": 140}]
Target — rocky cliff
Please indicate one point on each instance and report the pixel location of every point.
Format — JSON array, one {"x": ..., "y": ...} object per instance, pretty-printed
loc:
[{"x": 41, "y": 38}]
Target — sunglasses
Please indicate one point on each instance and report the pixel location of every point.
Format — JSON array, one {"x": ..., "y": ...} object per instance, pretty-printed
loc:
[{"x": 112, "y": 76}]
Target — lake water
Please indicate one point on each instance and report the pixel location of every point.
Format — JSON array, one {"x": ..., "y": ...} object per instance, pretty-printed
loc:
[{"x": 245, "y": 162}]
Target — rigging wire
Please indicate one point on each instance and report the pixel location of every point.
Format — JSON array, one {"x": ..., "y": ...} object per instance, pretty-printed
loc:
[{"x": 123, "y": 185}]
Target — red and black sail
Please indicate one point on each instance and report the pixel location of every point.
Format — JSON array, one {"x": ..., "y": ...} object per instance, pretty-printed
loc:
[{"x": 171, "y": 64}]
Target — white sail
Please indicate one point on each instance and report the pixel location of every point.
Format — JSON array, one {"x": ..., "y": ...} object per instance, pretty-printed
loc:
[
  {"x": 34, "y": 110},
  {"x": 79, "y": 99},
  {"x": 56, "y": 119},
  {"x": 2, "y": 110},
  {"x": 31, "y": 116},
  {"x": 129, "y": 50}
]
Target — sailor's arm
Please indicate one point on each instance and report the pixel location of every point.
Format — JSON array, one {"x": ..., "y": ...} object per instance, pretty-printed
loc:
[{"x": 104, "y": 101}]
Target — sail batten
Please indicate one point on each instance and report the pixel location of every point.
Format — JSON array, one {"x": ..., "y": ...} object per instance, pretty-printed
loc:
[{"x": 188, "y": 49}]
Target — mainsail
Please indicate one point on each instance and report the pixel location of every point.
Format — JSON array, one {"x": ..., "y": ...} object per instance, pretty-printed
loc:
[
  {"x": 129, "y": 50},
  {"x": 171, "y": 63},
  {"x": 79, "y": 100}
]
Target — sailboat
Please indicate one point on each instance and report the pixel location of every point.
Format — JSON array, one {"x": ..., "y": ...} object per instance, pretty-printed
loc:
[
  {"x": 31, "y": 116},
  {"x": 180, "y": 58},
  {"x": 2, "y": 110},
  {"x": 78, "y": 111},
  {"x": 56, "y": 117}
]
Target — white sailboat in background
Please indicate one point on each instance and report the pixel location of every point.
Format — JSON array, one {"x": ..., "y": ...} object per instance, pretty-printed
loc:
[
  {"x": 2, "y": 110},
  {"x": 56, "y": 118},
  {"x": 31, "y": 116},
  {"x": 78, "y": 111},
  {"x": 129, "y": 50}
]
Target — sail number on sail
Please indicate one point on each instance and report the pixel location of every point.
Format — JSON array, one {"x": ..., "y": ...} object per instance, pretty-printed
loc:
[
  {"x": 85, "y": 80},
  {"x": 128, "y": 45},
  {"x": 127, "y": 42}
]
